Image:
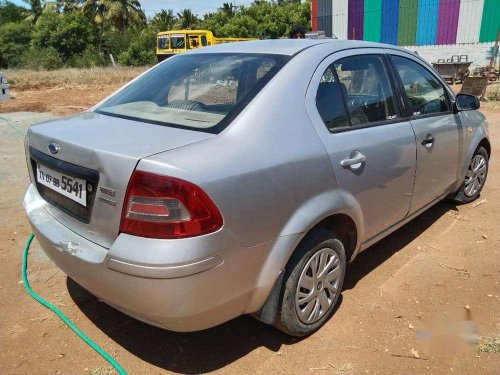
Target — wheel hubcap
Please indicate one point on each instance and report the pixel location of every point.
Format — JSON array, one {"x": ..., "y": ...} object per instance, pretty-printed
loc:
[
  {"x": 318, "y": 286},
  {"x": 476, "y": 174}
]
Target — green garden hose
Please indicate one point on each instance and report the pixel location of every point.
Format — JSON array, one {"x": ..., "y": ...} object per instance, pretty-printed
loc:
[{"x": 63, "y": 317}]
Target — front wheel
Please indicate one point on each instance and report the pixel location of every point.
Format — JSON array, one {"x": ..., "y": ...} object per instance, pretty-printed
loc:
[
  {"x": 312, "y": 283},
  {"x": 474, "y": 178}
]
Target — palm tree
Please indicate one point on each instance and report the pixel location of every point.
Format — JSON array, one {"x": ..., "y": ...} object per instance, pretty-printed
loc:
[
  {"x": 163, "y": 20},
  {"x": 187, "y": 19},
  {"x": 96, "y": 10},
  {"x": 122, "y": 13},
  {"x": 119, "y": 13},
  {"x": 67, "y": 5},
  {"x": 229, "y": 9},
  {"x": 35, "y": 9}
]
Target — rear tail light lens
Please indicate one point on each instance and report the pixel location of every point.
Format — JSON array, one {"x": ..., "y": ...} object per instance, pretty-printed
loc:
[{"x": 158, "y": 206}]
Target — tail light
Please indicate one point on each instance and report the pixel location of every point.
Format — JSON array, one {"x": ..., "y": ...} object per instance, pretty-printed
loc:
[{"x": 158, "y": 206}]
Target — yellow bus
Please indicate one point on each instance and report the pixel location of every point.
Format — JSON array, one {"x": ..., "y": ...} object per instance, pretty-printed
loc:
[{"x": 172, "y": 42}]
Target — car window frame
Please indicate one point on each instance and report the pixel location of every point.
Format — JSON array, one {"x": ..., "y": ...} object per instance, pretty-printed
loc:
[
  {"x": 400, "y": 111},
  {"x": 409, "y": 114}
]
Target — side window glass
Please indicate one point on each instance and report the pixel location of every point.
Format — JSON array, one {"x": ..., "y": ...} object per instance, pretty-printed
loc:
[
  {"x": 329, "y": 101},
  {"x": 424, "y": 91},
  {"x": 367, "y": 89}
]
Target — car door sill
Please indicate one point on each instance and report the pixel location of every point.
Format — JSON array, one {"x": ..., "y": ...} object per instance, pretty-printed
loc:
[{"x": 372, "y": 240}]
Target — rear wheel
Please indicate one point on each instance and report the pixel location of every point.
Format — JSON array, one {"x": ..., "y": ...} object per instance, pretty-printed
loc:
[
  {"x": 312, "y": 283},
  {"x": 474, "y": 178}
]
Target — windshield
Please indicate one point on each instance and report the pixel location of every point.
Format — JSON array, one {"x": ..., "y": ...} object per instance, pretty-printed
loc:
[
  {"x": 200, "y": 92},
  {"x": 163, "y": 41},
  {"x": 178, "y": 41}
]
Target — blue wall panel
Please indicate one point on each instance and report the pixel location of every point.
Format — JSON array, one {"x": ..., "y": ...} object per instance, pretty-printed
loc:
[
  {"x": 427, "y": 21},
  {"x": 389, "y": 27}
]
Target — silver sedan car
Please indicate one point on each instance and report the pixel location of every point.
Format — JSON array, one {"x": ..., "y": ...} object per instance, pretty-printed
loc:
[{"x": 241, "y": 178}]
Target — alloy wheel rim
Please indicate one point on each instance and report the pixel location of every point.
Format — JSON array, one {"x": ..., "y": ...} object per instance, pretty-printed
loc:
[
  {"x": 475, "y": 176},
  {"x": 318, "y": 286}
]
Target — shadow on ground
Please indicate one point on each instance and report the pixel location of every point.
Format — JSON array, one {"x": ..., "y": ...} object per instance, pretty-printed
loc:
[
  {"x": 383, "y": 250},
  {"x": 212, "y": 349}
]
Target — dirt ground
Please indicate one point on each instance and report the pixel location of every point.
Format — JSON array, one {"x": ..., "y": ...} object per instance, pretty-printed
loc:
[
  {"x": 60, "y": 101},
  {"x": 407, "y": 304}
]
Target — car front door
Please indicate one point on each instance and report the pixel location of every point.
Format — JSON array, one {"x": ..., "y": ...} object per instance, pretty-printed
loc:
[
  {"x": 437, "y": 130},
  {"x": 353, "y": 104}
]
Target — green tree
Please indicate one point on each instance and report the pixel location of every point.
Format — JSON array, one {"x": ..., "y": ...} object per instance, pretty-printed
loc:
[
  {"x": 262, "y": 19},
  {"x": 119, "y": 13},
  {"x": 14, "y": 38},
  {"x": 164, "y": 20},
  {"x": 68, "y": 5},
  {"x": 68, "y": 33},
  {"x": 10, "y": 12},
  {"x": 186, "y": 19},
  {"x": 35, "y": 10},
  {"x": 141, "y": 50},
  {"x": 96, "y": 10},
  {"x": 228, "y": 9},
  {"x": 124, "y": 13}
]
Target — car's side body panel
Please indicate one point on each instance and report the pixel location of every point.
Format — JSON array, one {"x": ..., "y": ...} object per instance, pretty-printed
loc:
[
  {"x": 446, "y": 131},
  {"x": 432, "y": 178},
  {"x": 382, "y": 186}
]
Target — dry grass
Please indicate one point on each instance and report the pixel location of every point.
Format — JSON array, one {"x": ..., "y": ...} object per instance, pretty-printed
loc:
[
  {"x": 489, "y": 344},
  {"x": 22, "y": 79},
  {"x": 493, "y": 92}
]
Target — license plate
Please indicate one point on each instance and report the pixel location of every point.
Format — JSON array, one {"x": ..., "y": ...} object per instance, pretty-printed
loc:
[{"x": 71, "y": 187}]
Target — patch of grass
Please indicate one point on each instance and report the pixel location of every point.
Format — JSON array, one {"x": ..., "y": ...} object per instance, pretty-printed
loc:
[
  {"x": 25, "y": 79},
  {"x": 103, "y": 371},
  {"x": 345, "y": 367},
  {"x": 489, "y": 344},
  {"x": 493, "y": 92}
]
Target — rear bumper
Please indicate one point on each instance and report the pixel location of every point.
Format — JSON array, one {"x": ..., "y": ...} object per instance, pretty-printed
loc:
[{"x": 182, "y": 285}]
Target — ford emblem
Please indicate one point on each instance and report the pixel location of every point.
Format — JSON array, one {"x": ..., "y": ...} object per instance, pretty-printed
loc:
[{"x": 54, "y": 148}]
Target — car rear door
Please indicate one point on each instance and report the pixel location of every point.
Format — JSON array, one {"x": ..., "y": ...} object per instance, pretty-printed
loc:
[
  {"x": 356, "y": 110},
  {"x": 437, "y": 129}
]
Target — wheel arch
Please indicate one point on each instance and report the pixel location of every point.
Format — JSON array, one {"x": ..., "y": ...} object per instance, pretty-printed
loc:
[
  {"x": 344, "y": 226},
  {"x": 486, "y": 144}
]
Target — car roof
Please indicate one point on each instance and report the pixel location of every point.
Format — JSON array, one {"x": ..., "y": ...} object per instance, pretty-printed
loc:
[{"x": 287, "y": 47}]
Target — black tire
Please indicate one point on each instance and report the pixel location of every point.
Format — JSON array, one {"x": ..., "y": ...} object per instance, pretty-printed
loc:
[
  {"x": 460, "y": 196},
  {"x": 288, "y": 319}
]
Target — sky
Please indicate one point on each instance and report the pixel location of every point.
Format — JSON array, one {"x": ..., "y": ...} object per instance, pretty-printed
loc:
[{"x": 198, "y": 7}]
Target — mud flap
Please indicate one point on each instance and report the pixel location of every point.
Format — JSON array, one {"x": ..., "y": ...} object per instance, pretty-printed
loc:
[{"x": 270, "y": 309}]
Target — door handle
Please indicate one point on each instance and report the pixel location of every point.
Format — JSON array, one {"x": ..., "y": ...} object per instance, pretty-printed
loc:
[
  {"x": 355, "y": 161},
  {"x": 428, "y": 142}
]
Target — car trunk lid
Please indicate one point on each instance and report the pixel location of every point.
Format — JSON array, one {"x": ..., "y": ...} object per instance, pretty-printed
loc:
[{"x": 103, "y": 151}]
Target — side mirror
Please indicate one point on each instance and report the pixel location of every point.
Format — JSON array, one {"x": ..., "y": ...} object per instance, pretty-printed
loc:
[{"x": 465, "y": 102}]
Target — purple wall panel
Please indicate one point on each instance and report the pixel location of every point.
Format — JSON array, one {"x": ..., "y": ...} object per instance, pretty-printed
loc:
[
  {"x": 355, "y": 19},
  {"x": 447, "y": 21}
]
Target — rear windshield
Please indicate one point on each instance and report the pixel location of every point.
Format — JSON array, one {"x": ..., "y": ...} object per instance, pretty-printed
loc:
[{"x": 201, "y": 91}]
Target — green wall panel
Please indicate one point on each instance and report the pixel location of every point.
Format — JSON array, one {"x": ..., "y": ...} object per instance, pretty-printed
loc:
[
  {"x": 407, "y": 29},
  {"x": 490, "y": 22},
  {"x": 372, "y": 20}
]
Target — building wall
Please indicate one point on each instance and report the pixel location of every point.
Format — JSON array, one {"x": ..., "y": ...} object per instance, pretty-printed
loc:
[
  {"x": 409, "y": 22},
  {"x": 339, "y": 18},
  {"x": 478, "y": 53},
  {"x": 469, "y": 21}
]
